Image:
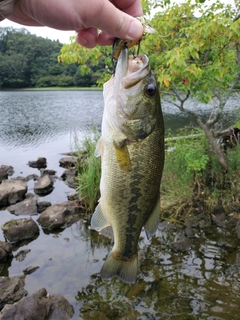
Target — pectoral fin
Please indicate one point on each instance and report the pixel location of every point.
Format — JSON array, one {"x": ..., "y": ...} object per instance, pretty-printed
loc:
[
  {"x": 99, "y": 148},
  {"x": 122, "y": 155},
  {"x": 152, "y": 222},
  {"x": 98, "y": 221}
]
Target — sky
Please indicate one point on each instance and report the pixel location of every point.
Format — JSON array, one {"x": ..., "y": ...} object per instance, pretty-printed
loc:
[{"x": 62, "y": 36}]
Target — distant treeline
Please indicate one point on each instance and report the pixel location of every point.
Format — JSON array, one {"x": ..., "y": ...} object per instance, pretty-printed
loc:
[{"x": 28, "y": 61}]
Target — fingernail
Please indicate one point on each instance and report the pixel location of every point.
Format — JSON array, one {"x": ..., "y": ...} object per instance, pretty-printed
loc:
[{"x": 135, "y": 30}]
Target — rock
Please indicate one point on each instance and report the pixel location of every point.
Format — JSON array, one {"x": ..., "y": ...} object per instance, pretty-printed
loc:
[
  {"x": 5, "y": 171},
  {"x": 32, "y": 176},
  {"x": 17, "y": 230},
  {"x": 30, "y": 269},
  {"x": 69, "y": 177},
  {"x": 5, "y": 250},
  {"x": 43, "y": 186},
  {"x": 60, "y": 215},
  {"x": 40, "y": 163},
  {"x": 181, "y": 245},
  {"x": 21, "y": 255},
  {"x": 12, "y": 290},
  {"x": 67, "y": 162},
  {"x": 12, "y": 192},
  {"x": 50, "y": 172},
  {"x": 25, "y": 207},
  {"x": 39, "y": 306},
  {"x": 43, "y": 205}
]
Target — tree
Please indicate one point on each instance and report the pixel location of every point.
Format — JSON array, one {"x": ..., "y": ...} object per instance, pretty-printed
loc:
[
  {"x": 197, "y": 57},
  {"x": 194, "y": 53}
]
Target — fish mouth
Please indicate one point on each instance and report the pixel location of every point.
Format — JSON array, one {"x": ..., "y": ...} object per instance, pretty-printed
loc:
[{"x": 131, "y": 70}]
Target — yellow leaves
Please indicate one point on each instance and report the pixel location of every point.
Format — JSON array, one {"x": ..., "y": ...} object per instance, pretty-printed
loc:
[
  {"x": 166, "y": 82},
  {"x": 221, "y": 74},
  {"x": 197, "y": 55}
]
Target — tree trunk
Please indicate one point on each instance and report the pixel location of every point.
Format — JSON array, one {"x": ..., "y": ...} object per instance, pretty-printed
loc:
[{"x": 215, "y": 146}]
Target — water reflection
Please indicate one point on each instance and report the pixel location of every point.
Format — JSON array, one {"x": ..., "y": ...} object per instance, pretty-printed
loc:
[{"x": 199, "y": 284}]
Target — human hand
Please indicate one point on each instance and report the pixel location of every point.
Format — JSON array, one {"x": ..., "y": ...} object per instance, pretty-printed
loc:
[{"x": 114, "y": 18}]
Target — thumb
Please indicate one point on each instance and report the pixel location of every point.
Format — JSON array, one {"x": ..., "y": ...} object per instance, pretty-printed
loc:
[{"x": 115, "y": 22}]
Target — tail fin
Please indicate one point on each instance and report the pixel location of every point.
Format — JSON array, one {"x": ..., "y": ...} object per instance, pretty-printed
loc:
[{"x": 125, "y": 269}]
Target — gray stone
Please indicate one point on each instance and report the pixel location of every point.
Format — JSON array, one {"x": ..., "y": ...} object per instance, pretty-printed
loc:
[
  {"x": 25, "y": 207},
  {"x": 17, "y": 230},
  {"x": 68, "y": 162},
  {"x": 39, "y": 163},
  {"x": 69, "y": 177},
  {"x": 12, "y": 192},
  {"x": 12, "y": 290},
  {"x": 39, "y": 306},
  {"x": 30, "y": 269},
  {"x": 60, "y": 215},
  {"x": 43, "y": 186},
  {"x": 5, "y": 250},
  {"x": 5, "y": 171},
  {"x": 43, "y": 205},
  {"x": 48, "y": 171}
]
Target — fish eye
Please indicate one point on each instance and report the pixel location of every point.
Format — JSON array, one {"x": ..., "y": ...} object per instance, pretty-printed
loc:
[{"x": 150, "y": 89}]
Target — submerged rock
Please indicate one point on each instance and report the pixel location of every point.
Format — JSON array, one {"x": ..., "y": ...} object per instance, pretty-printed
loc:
[
  {"x": 60, "y": 215},
  {"x": 43, "y": 205},
  {"x": 17, "y": 230},
  {"x": 12, "y": 192},
  {"x": 39, "y": 163},
  {"x": 43, "y": 186},
  {"x": 181, "y": 245},
  {"x": 30, "y": 269},
  {"x": 5, "y": 250},
  {"x": 25, "y": 207},
  {"x": 12, "y": 290},
  {"x": 21, "y": 255},
  {"x": 39, "y": 306}
]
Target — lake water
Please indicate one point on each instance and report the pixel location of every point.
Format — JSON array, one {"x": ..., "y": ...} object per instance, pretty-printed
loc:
[{"x": 200, "y": 284}]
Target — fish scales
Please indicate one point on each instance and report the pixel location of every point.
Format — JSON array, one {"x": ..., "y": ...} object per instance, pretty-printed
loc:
[{"x": 132, "y": 151}]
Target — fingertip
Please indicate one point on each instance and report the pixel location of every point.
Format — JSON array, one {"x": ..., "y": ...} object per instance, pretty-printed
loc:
[
  {"x": 135, "y": 30},
  {"x": 105, "y": 39},
  {"x": 87, "y": 38}
]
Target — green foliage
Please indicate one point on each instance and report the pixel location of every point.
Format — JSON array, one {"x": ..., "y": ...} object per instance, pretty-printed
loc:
[
  {"x": 186, "y": 159},
  {"x": 91, "y": 61},
  {"x": 89, "y": 173},
  {"x": 195, "y": 54},
  {"x": 28, "y": 61},
  {"x": 192, "y": 171}
]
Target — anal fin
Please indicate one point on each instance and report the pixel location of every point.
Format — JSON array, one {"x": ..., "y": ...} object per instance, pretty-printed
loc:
[
  {"x": 152, "y": 222},
  {"x": 98, "y": 221}
]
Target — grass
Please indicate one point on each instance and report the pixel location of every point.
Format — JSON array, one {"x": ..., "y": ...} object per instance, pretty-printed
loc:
[{"x": 89, "y": 173}]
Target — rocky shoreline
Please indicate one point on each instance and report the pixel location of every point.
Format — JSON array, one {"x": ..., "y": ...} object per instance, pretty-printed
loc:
[
  {"x": 33, "y": 215},
  {"x": 14, "y": 197}
]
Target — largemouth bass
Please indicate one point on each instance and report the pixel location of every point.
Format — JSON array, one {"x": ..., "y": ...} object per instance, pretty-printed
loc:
[{"x": 132, "y": 156}]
